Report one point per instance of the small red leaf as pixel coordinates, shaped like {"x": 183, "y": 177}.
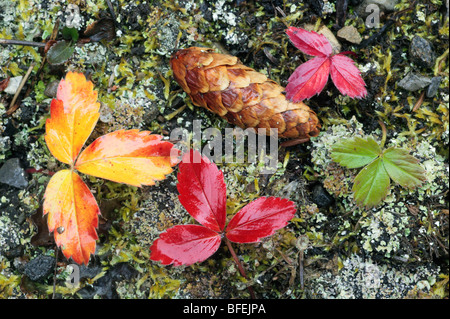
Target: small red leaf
{"x": 185, "y": 245}
{"x": 260, "y": 218}
{"x": 346, "y": 76}
{"x": 202, "y": 190}
{"x": 308, "y": 79}
{"x": 310, "y": 42}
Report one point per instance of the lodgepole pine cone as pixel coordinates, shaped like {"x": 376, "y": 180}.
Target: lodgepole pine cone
{"x": 242, "y": 96}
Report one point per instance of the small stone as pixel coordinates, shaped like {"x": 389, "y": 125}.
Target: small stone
{"x": 13, "y": 85}
{"x": 51, "y": 89}
{"x": 414, "y": 82}
{"x": 39, "y": 268}
{"x": 350, "y": 33}
{"x": 12, "y": 174}
{"x": 421, "y": 52}
{"x": 434, "y": 86}
{"x": 321, "y": 197}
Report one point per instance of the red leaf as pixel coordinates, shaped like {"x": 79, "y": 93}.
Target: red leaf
{"x": 308, "y": 79}
{"x": 185, "y": 245}
{"x": 310, "y": 42}
{"x": 260, "y": 218}
{"x": 346, "y": 76}
{"x": 202, "y": 190}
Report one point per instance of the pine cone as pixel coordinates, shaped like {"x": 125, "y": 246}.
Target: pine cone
{"x": 239, "y": 94}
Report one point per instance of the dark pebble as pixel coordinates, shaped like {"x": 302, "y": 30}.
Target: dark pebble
{"x": 434, "y": 86}
{"x": 414, "y": 82}
{"x": 12, "y": 174}
{"x": 39, "y": 268}
{"x": 421, "y": 52}
{"x": 321, "y": 197}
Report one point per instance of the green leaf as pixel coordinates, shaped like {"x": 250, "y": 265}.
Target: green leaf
{"x": 356, "y": 152}
{"x": 60, "y": 52}
{"x": 403, "y": 168}
{"x": 70, "y": 34}
{"x": 371, "y": 185}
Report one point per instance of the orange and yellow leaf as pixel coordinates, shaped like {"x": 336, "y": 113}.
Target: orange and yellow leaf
{"x": 73, "y": 115}
{"x": 130, "y": 157}
{"x": 72, "y": 215}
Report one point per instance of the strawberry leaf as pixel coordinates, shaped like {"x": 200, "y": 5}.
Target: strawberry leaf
{"x": 202, "y": 190}
{"x": 403, "y": 168}
{"x": 185, "y": 245}
{"x": 308, "y": 79}
{"x": 260, "y": 218}
{"x": 371, "y": 185}
{"x": 73, "y": 212}
{"x": 356, "y": 152}
{"x": 310, "y": 42}
{"x": 130, "y": 157}
{"x": 346, "y": 77}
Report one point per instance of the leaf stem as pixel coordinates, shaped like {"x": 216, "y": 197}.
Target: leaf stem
{"x": 241, "y": 269}
{"x": 384, "y": 131}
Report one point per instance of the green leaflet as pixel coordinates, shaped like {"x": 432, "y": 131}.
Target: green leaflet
{"x": 371, "y": 185}
{"x": 403, "y": 168}
{"x": 60, "y": 52}
{"x": 356, "y": 152}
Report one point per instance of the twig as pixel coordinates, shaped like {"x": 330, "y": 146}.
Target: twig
{"x": 384, "y": 131}
{"x": 241, "y": 269}
{"x": 20, "y": 42}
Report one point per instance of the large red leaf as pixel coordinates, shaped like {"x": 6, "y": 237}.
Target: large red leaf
{"x": 185, "y": 245}
{"x": 260, "y": 218}
{"x": 72, "y": 215}
{"x": 346, "y": 76}
{"x": 308, "y": 79}
{"x": 310, "y": 42}
{"x": 202, "y": 190}
{"x": 131, "y": 157}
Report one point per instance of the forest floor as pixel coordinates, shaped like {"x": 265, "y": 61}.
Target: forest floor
{"x": 399, "y": 249}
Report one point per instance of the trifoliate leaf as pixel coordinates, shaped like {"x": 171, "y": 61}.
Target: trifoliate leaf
{"x": 371, "y": 185}
{"x": 356, "y": 152}
{"x": 403, "y": 168}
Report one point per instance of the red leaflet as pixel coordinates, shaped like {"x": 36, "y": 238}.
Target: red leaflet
{"x": 309, "y": 42}
{"x": 346, "y": 76}
{"x": 310, "y": 77}
{"x": 203, "y": 194}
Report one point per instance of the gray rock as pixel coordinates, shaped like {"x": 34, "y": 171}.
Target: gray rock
{"x": 51, "y": 88}
{"x": 13, "y": 85}
{"x": 350, "y": 33}
{"x": 414, "y": 82}
{"x": 434, "y": 86}
{"x": 12, "y": 174}
{"x": 383, "y": 5}
{"x": 421, "y": 52}
{"x": 39, "y": 268}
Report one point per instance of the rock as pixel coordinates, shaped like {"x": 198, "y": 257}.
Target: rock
{"x": 421, "y": 52}
{"x": 321, "y": 197}
{"x": 39, "y": 268}
{"x": 13, "y": 85}
{"x": 12, "y": 174}
{"x": 434, "y": 86}
{"x": 383, "y": 5}
{"x": 414, "y": 82}
{"x": 350, "y": 33}
{"x": 51, "y": 89}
